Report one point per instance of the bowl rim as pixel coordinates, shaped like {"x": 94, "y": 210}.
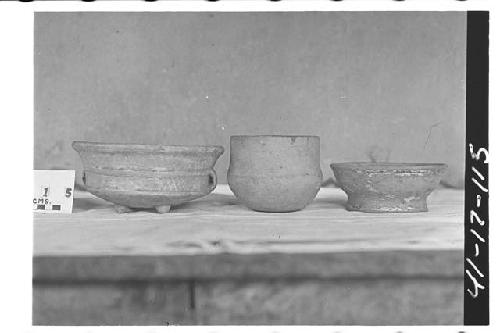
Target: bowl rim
{"x": 389, "y": 166}
{"x": 81, "y": 146}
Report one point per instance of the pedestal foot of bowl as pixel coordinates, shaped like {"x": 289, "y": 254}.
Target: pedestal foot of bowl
{"x": 414, "y": 203}
{"x": 122, "y": 209}
{"x": 163, "y": 209}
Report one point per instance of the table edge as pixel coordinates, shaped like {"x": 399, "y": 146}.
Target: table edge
{"x": 277, "y": 265}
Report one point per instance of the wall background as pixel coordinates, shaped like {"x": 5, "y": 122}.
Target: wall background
{"x": 380, "y": 85}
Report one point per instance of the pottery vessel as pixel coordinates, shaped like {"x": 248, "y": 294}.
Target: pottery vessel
{"x": 273, "y": 173}
{"x": 388, "y": 187}
{"x": 148, "y": 176}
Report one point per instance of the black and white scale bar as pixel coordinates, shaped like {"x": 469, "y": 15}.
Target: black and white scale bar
{"x": 45, "y": 207}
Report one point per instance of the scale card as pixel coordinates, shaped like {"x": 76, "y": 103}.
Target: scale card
{"x": 53, "y": 191}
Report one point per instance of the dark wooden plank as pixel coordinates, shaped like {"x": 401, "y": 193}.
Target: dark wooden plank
{"x": 270, "y": 302}
{"x": 345, "y": 302}
{"x": 131, "y": 303}
{"x": 428, "y": 263}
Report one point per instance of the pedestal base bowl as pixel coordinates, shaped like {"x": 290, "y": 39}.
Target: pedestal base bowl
{"x": 388, "y": 187}
{"x": 147, "y": 176}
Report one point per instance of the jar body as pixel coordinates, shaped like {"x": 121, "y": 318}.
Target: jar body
{"x": 275, "y": 173}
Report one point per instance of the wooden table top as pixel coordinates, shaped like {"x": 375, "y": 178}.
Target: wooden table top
{"x": 215, "y": 237}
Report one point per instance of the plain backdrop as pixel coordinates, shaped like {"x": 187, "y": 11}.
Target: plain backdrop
{"x": 384, "y": 86}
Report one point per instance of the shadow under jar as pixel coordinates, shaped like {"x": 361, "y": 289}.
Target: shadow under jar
{"x": 388, "y": 187}
{"x": 136, "y": 176}
{"x": 275, "y": 173}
